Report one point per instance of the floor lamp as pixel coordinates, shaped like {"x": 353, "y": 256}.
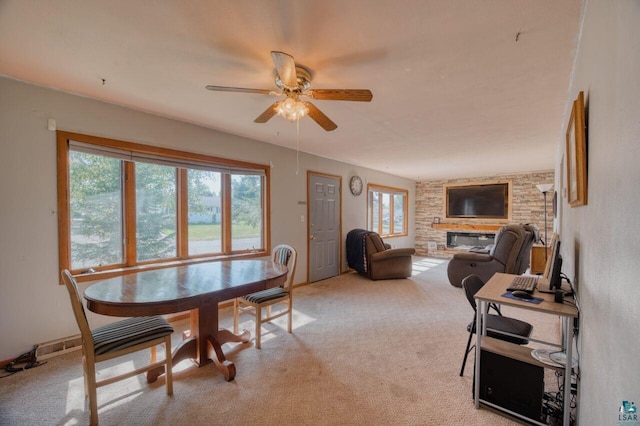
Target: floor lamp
{"x": 544, "y": 188}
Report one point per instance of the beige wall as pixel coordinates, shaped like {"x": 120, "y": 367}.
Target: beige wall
{"x": 33, "y": 307}
{"x": 527, "y": 205}
{"x": 600, "y": 241}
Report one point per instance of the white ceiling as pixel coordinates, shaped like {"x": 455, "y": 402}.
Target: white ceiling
{"x": 460, "y": 88}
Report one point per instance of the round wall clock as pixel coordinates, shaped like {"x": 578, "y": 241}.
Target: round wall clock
{"x": 356, "y": 185}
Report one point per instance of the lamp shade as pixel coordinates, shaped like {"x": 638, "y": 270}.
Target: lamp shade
{"x": 544, "y": 187}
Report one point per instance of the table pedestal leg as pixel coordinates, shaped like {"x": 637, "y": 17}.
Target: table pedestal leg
{"x": 215, "y": 354}
{"x": 209, "y": 348}
{"x": 225, "y": 336}
{"x": 187, "y": 349}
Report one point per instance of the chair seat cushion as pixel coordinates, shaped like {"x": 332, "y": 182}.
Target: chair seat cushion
{"x": 266, "y": 295}
{"x": 129, "y": 332}
{"x": 509, "y": 325}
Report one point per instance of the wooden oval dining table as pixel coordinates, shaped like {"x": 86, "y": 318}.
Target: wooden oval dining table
{"x": 198, "y": 288}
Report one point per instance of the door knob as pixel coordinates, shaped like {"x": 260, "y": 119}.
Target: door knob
{"x": 313, "y": 237}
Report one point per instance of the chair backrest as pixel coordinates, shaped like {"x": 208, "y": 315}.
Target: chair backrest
{"x": 78, "y": 310}
{"x": 508, "y": 245}
{"x": 524, "y": 257}
{"x": 374, "y": 243}
{"x": 286, "y": 255}
{"x": 471, "y": 285}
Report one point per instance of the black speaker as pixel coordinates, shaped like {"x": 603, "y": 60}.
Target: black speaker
{"x": 515, "y": 385}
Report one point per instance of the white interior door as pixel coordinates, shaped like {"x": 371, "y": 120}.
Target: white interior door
{"x": 324, "y": 227}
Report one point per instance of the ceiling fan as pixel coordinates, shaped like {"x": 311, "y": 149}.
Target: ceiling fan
{"x": 294, "y": 81}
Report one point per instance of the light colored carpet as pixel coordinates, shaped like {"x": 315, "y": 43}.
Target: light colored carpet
{"x": 361, "y": 352}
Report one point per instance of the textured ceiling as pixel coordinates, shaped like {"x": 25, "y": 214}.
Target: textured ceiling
{"x": 460, "y": 88}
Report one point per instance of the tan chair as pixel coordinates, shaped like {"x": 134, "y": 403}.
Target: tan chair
{"x": 114, "y": 340}
{"x": 252, "y": 304}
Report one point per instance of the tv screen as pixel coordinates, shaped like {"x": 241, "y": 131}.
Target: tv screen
{"x": 489, "y": 201}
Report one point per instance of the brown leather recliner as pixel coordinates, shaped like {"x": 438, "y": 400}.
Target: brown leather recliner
{"x": 379, "y": 261}
{"x": 509, "y": 254}
{"x": 385, "y": 262}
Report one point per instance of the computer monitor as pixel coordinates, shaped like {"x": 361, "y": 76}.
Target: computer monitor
{"x": 554, "y": 265}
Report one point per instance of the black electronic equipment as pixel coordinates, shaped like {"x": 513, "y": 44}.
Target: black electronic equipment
{"x": 553, "y": 268}
{"x": 555, "y": 282}
{"x": 511, "y": 384}
{"x": 478, "y": 201}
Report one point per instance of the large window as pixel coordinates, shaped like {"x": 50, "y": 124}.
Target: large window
{"x": 387, "y": 210}
{"x": 122, "y": 205}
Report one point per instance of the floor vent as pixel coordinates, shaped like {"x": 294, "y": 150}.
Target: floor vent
{"x": 58, "y": 347}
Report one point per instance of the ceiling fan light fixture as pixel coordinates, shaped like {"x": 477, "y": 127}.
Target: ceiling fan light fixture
{"x": 291, "y": 109}
{"x": 295, "y": 81}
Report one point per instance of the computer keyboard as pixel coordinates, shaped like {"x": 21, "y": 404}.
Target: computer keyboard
{"x": 523, "y": 283}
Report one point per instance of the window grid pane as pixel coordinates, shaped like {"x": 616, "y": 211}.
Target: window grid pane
{"x": 156, "y": 212}
{"x": 247, "y": 212}
{"x": 375, "y": 211}
{"x": 95, "y": 184}
{"x": 398, "y": 214}
{"x": 386, "y": 212}
{"x": 205, "y": 212}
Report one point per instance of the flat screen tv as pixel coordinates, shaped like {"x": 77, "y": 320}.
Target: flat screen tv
{"x": 490, "y": 201}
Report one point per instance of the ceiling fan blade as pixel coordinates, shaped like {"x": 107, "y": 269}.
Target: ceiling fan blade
{"x": 267, "y": 114}
{"x": 319, "y": 117}
{"x": 358, "y": 95}
{"x": 286, "y": 69}
{"x": 240, "y": 89}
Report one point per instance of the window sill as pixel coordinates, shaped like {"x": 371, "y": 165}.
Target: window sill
{"x": 392, "y": 235}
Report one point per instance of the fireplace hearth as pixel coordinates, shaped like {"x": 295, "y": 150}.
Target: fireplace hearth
{"x": 469, "y": 240}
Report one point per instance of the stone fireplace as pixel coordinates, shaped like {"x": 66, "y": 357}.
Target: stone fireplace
{"x": 432, "y": 225}
{"x": 468, "y": 240}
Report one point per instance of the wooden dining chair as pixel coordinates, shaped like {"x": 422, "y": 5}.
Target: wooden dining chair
{"x": 252, "y": 304}
{"x": 114, "y": 340}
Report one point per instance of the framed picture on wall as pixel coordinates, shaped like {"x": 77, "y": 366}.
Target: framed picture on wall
{"x": 576, "y": 155}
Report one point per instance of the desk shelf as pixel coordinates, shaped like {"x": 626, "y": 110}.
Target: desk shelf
{"x": 511, "y": 350}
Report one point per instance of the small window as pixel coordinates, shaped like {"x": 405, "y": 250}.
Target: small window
{"x": 387, "y": 210}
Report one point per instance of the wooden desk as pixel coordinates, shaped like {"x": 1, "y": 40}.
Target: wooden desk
{"x": 197, "y": 288}
{"x": 492, "y": 292}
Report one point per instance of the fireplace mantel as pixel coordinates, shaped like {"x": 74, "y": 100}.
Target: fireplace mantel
{"x": 467, "y": 226}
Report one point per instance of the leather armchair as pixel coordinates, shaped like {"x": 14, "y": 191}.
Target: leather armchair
{"x": 378, "y": 261}
{"x": 509, "y": 254}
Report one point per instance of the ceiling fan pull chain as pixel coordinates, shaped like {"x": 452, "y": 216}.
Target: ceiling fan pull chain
{"x": 297, "y": 145}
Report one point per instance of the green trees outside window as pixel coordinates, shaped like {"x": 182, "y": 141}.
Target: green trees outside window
{"x": 119, "y": 212}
